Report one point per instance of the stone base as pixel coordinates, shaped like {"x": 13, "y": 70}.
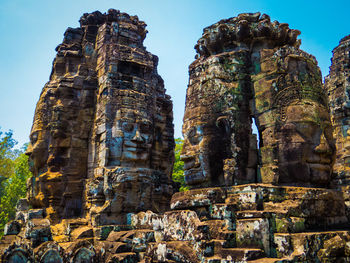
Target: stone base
{"x": 245, "y": 223}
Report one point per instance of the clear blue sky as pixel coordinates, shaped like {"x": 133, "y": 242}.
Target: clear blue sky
{"x": 31, "y": 29}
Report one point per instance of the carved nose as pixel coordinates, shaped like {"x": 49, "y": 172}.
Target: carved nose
{"x": 190, "y": 161}
{"x": 184, "y": 157}
{"x": 137, "y": 137}
{"x": 323, "y": 146}
{"x": 29, "y": 150}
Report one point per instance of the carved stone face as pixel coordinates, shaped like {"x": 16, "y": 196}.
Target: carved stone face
{"x": 306, "y": 149}
{"x": 131, "y": 143}
{"x": 203, "y": 152}
{"x": 38, "y": 146}
{"x": 37, "y": 151}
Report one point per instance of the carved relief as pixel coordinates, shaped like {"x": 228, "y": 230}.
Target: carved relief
{"x": 249, "y": 67}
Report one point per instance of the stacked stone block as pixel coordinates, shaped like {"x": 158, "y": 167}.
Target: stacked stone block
{"x": 102, "y": 142}
{"x": 338, "y": 86}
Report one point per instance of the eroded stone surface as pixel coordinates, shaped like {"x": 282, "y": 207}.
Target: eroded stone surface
{"x": 249, "y": 67}
{"x": 103, "y": 121}
{"x": 102, "y": 141}
{"x": 338, "y": 86}
{"x": 101, "y": 144}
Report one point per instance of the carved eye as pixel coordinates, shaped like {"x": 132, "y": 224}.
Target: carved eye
{"x": 308, "y": 130}
{"x": 127, "y": 126}
{"x": 193, "y": 136}
{"x": 328, "y": 132}
{"x": 33, "y": 138}
{"x": 223, "y": 124}
{"x": 145, "y": 127}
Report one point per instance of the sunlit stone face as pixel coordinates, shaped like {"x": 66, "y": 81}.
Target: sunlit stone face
{"x": 38, "y": 145}
{"x": 48, "y": 131}
{"x": 203, "y": 151}
{"x": 131, "y": 142}
{"x": 37, "y": 150}
{"x": 306, "y": 149}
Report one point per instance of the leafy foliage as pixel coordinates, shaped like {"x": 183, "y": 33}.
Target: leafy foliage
{"x": 7, "y": 155}
{"x": 14, "y": 172}
{"x": 178, "y": 170}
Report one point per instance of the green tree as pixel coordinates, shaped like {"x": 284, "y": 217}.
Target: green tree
{"x": 178, "y": 170}
{"x": 14, "y": 172}
{"x": 7, "y": 156}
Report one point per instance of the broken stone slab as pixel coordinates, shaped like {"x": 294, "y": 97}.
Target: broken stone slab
{"x": 22, "y": 204}
{"x": 197, "y": 198}
{"x": 12, "y": 228}
{"x": 304, "y": 246}
{"x": 36, "y": 214}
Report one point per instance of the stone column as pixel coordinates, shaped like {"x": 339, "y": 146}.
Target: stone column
{"x": 338, "y": 85}
{"x": 217, "y": 121}
{"x": 131, "y": 146}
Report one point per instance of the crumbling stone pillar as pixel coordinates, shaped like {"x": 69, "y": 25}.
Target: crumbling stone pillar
{"x": 102, "y": 126}
{"x": 131, "y": 147}
{"x": 59, "y": 138}
{"x": 292, "y": 116}
{"x": 338, "y": 85}
{"x": 283, "y": 87}
{"x": 217, "y": 121}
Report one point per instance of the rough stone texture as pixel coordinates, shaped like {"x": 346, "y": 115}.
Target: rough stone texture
{"x": 102, "y": 142}
{"x": 131, "y": 147}
{"x": 338, "y": 86}
{"x": 249, "y": 67}
{"x": 103, "y": 119}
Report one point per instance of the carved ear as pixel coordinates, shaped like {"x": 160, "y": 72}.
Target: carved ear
{"x": 223, "y": 124}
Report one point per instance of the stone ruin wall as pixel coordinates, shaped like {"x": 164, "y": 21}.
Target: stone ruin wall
{"x": 102, "y": 151}
{"x": 337, "y": 84}
{"x": 250, "y": 67}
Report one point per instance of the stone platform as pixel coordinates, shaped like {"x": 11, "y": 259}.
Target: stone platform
{"x": 102, "y": 143}
{"x": 224, "y": 224}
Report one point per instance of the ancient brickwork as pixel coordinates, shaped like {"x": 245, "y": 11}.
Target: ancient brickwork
{"x": 101, "y": 144}
{"x": 217, "y": 121}
{"x": 131, "y": 147}
{"x": 102, "y": 152}
{"x": 338, "y": 86}
{"x": 248, "y": 222}
{"x": 250, "y": 67}
{"x": 60, "y": 133}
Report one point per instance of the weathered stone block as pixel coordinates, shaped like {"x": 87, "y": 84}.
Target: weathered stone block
{"x": 12, "y": 228}
{"x": 253, "y": 233}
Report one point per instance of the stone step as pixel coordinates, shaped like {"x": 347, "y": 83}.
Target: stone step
{"x": 254, "y": 233}
{"x": 257, "y": 214}
{"x": 222, "y": 211}
{"x": 296, "y": 201}
{"x": 172, "y": 251}
{"x": 244, "y": 201}
{"x": 324, "y": 244}
{"x": 197, "y": 198}
{"x": 123, "y": 257}
{"x": 216, "y": 229}
{"x": 269, "y": 260}
{"x": 288, "y": 223}
{"x": 235, "y": 254}
{"x": 211, "y": 247}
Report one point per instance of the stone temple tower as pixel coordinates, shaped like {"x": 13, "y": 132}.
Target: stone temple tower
{"x": 102, "y": 151}
{"x": 338, "y": 86}
{"x": 102, "y": 140}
